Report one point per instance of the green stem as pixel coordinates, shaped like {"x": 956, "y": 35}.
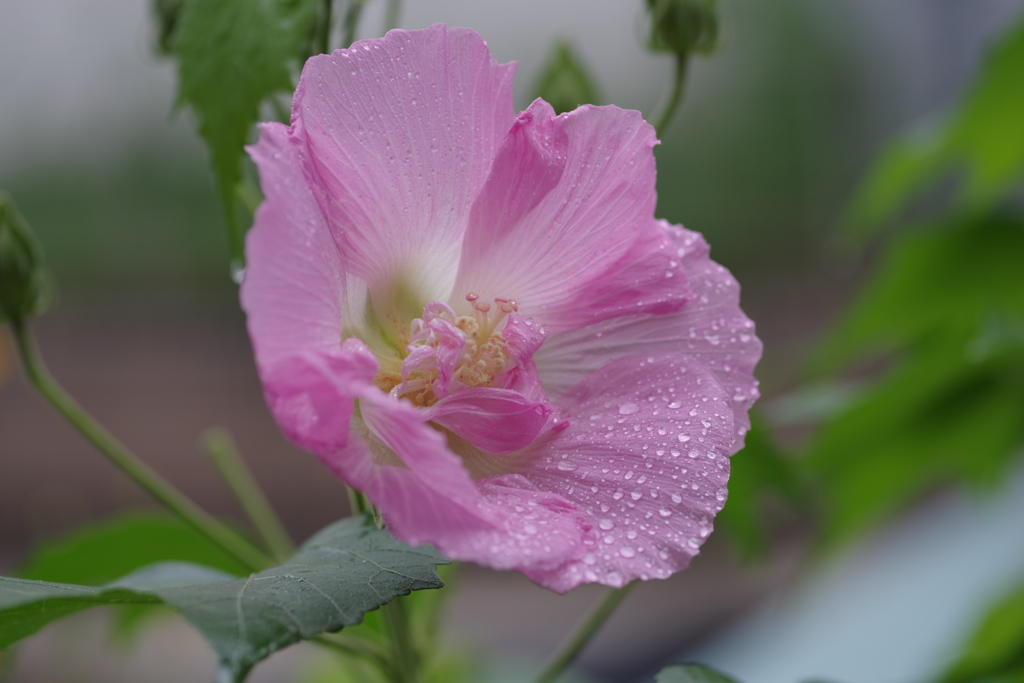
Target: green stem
{"x": 129, "y": 463}
{"x": 584, "y": 631}
{"x": 221, "y": 449}
{"x": 357, "y": 502}
{"x": 323, "y": 36}
{"x": 350, "y": 645}
{"x": 391, "y": 16}
{"x": 351, "y": 21}
{"x": 675, "y": 97}
{"x": 404, "y": 660}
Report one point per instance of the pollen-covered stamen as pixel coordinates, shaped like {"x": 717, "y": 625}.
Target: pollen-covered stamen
{"x": 447, "y": 351}
{"x": 482, "y": 313}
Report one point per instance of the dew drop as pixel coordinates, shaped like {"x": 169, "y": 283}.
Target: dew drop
{"x": 629, "y": 409}
{"x": 567, "y": 466}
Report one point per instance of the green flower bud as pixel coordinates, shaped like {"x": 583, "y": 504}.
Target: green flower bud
{"x": 565, "y": 83}
{"x": 24, "y": 284}
{"x": 683, "y": 26}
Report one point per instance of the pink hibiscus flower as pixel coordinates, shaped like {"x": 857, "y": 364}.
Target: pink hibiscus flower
{"x": 474, "y": 318}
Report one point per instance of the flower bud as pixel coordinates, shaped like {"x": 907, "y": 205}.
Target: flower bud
{"x": 24, "y": 285}
{"x": 565, "y": 83}
{"x": 683, "y": 26}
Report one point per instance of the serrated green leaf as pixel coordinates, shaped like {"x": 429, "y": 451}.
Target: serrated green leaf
{"x": 995, "y": 652}
{"x": 983, "y": 137}
{"x": 691, "y": 673}
{"x": 100, "y": 553}
{"x": 232, "y": 55}
{"x": 346, "y": 570}
{"x": 565, "y": 83}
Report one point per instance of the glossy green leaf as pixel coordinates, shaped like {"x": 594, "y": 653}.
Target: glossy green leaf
{"x": 565, "y": 83}
{"x": 347, "y": 569}
{"x": 100, "y": 553}
{"x": 995, "y": 652}
{"x": 983, "y": 138}
{"x": 232, "y": 55}
{"x": 691, "y": 673}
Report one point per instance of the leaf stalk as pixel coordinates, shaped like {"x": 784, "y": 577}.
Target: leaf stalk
{"x": 224, "y": 454}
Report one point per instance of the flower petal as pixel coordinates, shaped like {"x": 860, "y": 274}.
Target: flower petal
{"x": 493, "y": 420}
{"x": 645, "y": 457}
{"x": 401, "y": 134}
{"x": 710, "y": 328}
{"x": 293, "y": 288}
{"x": 426, "y": 496}
{"x": 585, "y": 248}
{"x": 311, "y": 394}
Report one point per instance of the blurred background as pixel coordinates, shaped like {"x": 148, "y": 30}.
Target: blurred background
{"x": 878, "y": 512}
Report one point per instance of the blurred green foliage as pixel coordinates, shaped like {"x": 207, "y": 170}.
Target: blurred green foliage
{"x": 691, "y": 673}
{"x": 565, "y": 83}
{"x": 100, "y": 553}
{"x": 147, "y": 217}
{"x": 947, "y": 309}
{"x": 995, "y": 652}
{"x": 762, "y": 153}
{"x": 760, "y": 473}
{"x": 982, "y": 138}
{"x": 942, "y": 317}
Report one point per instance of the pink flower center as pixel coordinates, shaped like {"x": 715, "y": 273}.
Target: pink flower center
{"x": 447, "y": 351}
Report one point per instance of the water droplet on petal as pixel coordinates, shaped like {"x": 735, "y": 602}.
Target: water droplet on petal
{"x": 567, "y": 466}
{"x": 629, "y": 409}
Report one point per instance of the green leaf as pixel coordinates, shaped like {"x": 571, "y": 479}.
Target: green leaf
{"x": 691, "y": 673}
{"x": 565, "y": 83}
{"x": 983, "y": 137}
{"x": 996, "y": 650}
{"x": 346, "y": 570}
{"x": 232, "y": 55}
{"x": 100, "y": 553}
